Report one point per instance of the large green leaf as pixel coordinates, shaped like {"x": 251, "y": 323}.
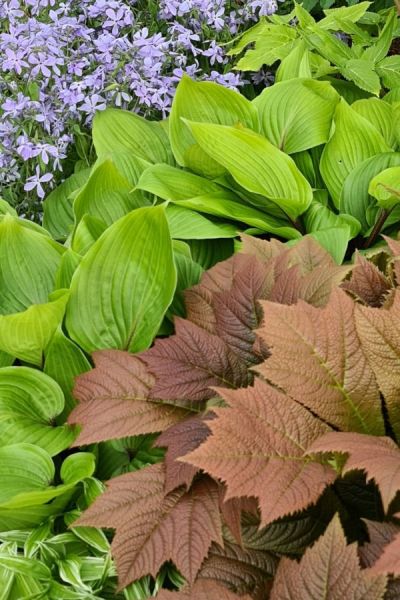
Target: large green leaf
{"x": 23, "y": 468}
{"x": 68, "y": 265}
{"x": 207, "y": 253}
{"x": 124, "y": 284}
{"x": 319, "y": 217}
{"x": 77, "y": 467}
{"x": 30, "y": 401}
{"x": 335, "y": 240}
{"x": 207, "y": 102}
{"x": 380, "y": 114}
{"x": 58, "y": 216}
{"x": 64, "y": 361}
{"x": 256, "y": 164}
{"x": 188, "y": 274}
{"x": 120, "y": 130}
{"x": 128, "y": 164}
{"x": 354, "y": 140}
{"x": 171, "y": 183}
{"x": 385, "y": 187}
{"x": 296, "y": 115}
{"x": 26, "y": 334}
{"x": 88, "y": 230}
{"x": 106, "y": 195}
{"x": 296, "y": 64}
{"x": 29, "y": 261}
{"x": 355, "y": 199}
{"x": 186, "y": 224}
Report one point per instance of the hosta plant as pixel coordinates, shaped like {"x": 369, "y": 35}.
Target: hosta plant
{"x": 276, "y": 402}
{"x": 349, "y": 41}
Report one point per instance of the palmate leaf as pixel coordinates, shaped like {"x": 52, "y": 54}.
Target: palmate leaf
{"x": 318, "y": 359}
{"x": 186, "y": 523}
{"x": 201, "y": 590}
{"x": 330, "y": 569}
{"x": 256, "y": 447}
{"x": 367, "y": 282}
{"x": 114, "y": 400}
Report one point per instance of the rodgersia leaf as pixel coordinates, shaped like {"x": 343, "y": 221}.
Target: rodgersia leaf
{"x": 330, "y": 569}
{"x": 201, "y": 590}
{"x": 256, "y": 448}
{"x": 152, "y": 528}
{"x": 317, "y": 358}
{"x": 367, "y": 282}
{"x": 389, "y": 561}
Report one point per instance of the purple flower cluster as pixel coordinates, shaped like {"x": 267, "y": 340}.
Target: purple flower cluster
{"x": 61, "y": 61}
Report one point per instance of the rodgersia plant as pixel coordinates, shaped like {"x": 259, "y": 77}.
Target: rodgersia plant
{"x": 62, "y": 62}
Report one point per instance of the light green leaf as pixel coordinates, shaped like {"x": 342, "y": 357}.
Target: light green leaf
{"x": 295, "y": 64}
{"x": 348, "y": 90}
{"x": 77, "y": 466}
{"x": 270, "y": 43}
{"x": 389, "y": 70}
{"x": 319, "y": 217}
{"x": 68, "y": 265}
{"x": 363, "y": 74}
{"x": 23, "y": 468}
{"x": 380, "y": 114}
{"x": 335, "y": 241}
{"x": 26, "y": 334}
{"x": 355, "y": 198}
{"x": 217, "y": 204}
{"x": 207, "y": 253}
{"x": 350, "y": 13}
{"x": 64, "y": 361}
{"x": 29, "y": 403}
{"x": 6, "y": 360}
{"x": 385, "y": 187}
{"x": 128, "y": 164}
{"x": 256, "y": 164}
{"x": 124, "y": 284}
{"x": 7, "y": 209}
{"x": 106, "y": 195}
{"x": 328, "y": 46}
{"x": 393, "y": 97}
{"x": 88, "y": 230}
{"x": 26, "y": 566}
{"x": 296, "y": 115}
{"x": 58, "y": 216}
{"x": 379, "y": 49}
{"x": 119, "y": 130}
{"x": 208, "y": 102}
{"x": 188, "y": 274}
{"x": 186, "y": 224}
{"x": 93, "y": 537}
{"x": 29, "y": 261}
{"x": 171, "y": 183}
{"x": 354, "y": 140}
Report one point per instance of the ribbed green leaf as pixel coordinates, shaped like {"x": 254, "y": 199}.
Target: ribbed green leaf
{"x": 385, "y": 187}
{"x": 106, "y": 195}
{"x": 296, "y": 64}
{"x": 68, "y": 265}
{"x": 209, "y": 252}
{"x": 29, "y": 260}
{"x": 29, "y": 403}
{"x": 26, "y": 566}
{"x": 355, "y": 199}
{"x": 124, "y": 284}
{"x": 23, "y": 468}
{"x": 26, "y": 334}
{"x": 186, "y": 224}
{"x": 6, "y": 360}
{"x": 171, "y": 183}
{"x": 209, "y": 103}
{"x": 296, "y": 115}
{"x": 77, "y": 466}
{"x": 58, "y": 217}
{"x": 256, "y": 164}
{"x": 354, "y": 140}
{"x": 319, "y": 217}
{"x": 64, "y": 361}
{"x": 380, "y": 114}
{"x": 335, "y": 240}
{"x": 128, "y": 164}
{"x": 88, "y": 230}
{"x": 120, "y": 130}
{"x": 189, "y": 273}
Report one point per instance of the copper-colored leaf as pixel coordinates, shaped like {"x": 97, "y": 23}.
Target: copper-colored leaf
{"x": 179, "y": 440}
{"x": 188, "y": 363}
{"x": 256, "y": 448}
{"x": 379, "y": 332}
{"x": 262, "y": 249}
{"x": 241, "y": 570}
{"x": 389, "y": 560}
{"x": 316, "y": 357}
{"x": 114, "y": 400}
{"x": 379, "y": 457}
{"x": 232, "y": 511}
{"x": 152, "y": 528}
{"x": 328, "y": 570}
{"x": 367, "y": 282}
{"x": 394, "y": 247}
{"x": 380, "y": 534}
{"x": 201, "y": 590}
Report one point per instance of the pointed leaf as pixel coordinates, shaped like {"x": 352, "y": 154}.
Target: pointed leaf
{"x": 389, "y": 561}
{"x": 135, "y": 253}
{"x": 201, "y": 590}
{"x": 367, "y": 283}
{"x": 385, "y": 187}
{"x": 380, "y": 114}
{"x": 363, "y": 74}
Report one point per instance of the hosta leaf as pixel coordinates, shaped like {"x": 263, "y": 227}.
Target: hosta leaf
{"x": 354, "y": 140}
{"x": 88, "y": 230}
{"x": 106, "y": 195}
{"x": 378, "y": 457}
{"x": 319, "y": 217}
{"x": 171, "y": 183}
{"x": 330, "y": 569}
{"x": 26, "y": 334}
{"x": 188, "y": 274}
{"x": 380, "y": 114}
{"x": 355, "y": 199}
{"x": 296, "y": 115}
{"x": 385, "y": 187}
{"x": 270, "y": 466}
{"x": 186, "y": 224}
{"x": 201, "y": 590}
{"x": 68, "y": 265}
{"x": 363, "y": 74}
{"x": 134, "y": 255}
{"x": 128, "y": 164}
{"x": 77, "y": 466}
{"x": 379, "y": 336}
{"x": 296, "y": 64}
{"x": 317, "y": 358}
{"x": 29, "y": 261}
{"x": 335, "y": 240}
{"x": 205, "y": 102}
{"x": 256, "y": 164}
{"x": 114, "y": 400}
{"x": 58, "y": 216}
{"x": 29, "y": 403}
{"x": 120, "y": 130}
{"x": 152, "y": 528}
